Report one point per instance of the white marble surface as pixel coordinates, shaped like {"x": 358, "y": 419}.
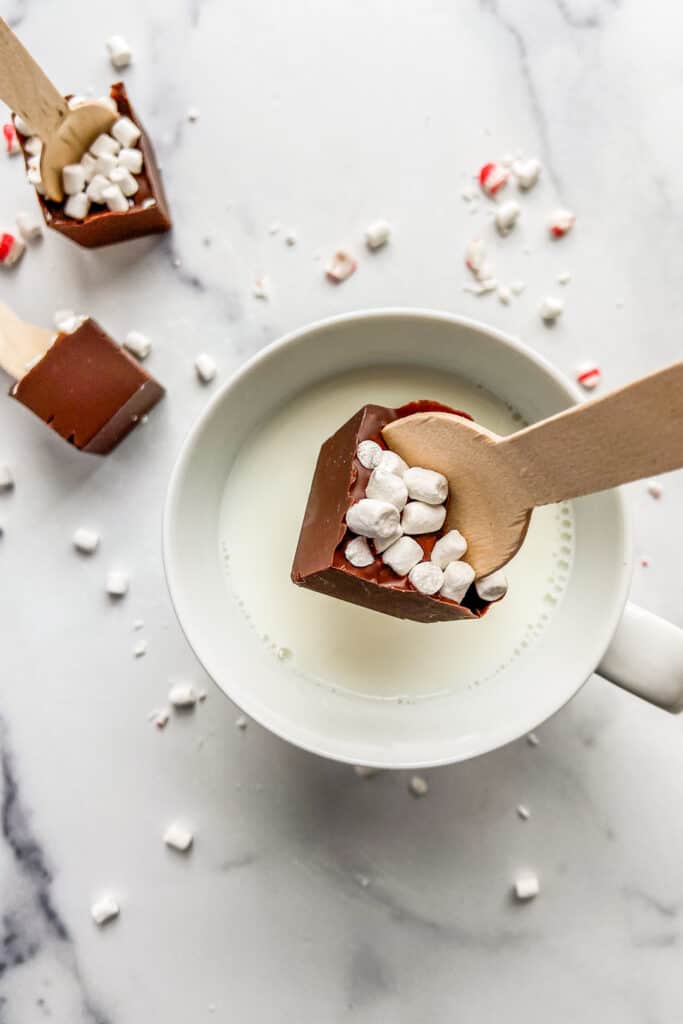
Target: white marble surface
{"x": 310, "y": 894}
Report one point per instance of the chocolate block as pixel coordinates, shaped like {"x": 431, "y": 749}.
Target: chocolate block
{"x": 338, "y": 482}
{"x": 88, "y": 389}
{"x": 104, "y": 227}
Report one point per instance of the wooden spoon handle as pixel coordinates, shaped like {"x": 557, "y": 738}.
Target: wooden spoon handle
{"x": 25, "y": 87}
{"x": 629, "y": 434}
{"x": 20, "y": 343}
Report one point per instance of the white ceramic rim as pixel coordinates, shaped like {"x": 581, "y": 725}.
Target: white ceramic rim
{"x": 598, "y": 643}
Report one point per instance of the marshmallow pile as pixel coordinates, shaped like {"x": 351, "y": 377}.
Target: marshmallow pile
{"x": 400, "y": 503}
{"x": 106, "y": 173}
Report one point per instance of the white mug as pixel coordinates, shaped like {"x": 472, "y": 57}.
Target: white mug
{"x": 593, "y": 629}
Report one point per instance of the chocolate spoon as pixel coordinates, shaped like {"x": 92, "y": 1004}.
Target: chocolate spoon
{"x": 66, "y": 133}
{"x": 496, "y": 482}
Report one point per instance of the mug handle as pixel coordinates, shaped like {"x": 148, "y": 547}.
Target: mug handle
{"x": 645, "y": 657}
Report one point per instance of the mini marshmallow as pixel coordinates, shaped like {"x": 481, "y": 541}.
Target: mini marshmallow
{"x": 523, "y": 812}
{"x": 507, "y": 216}
{"x": 104, "y": 164}
{"x": 131, "y": 159}
{"x": 34, "y": 177}
{"x": 368, "y": 454}
{"x": 110, "y": 102}
{"x": 11, "y": 141}
{"x": 386, "y": 486}
{"x": 11, "y": 249}
{"x": 492, "y": 587}
{"x": 517, "y": 287}
{"x": 357, "y": 552}
{"x": 526, "y": 886}
{"x": 77, "y": 206}
{"x": 426, "y": 485}
{"x": 178, "y": 837}
{"x": 449, "y": 548}
{"x": 403, "y": 555}
{"x": 206, "y": 368}
{"x": 426, "y": 577}
{"x": 392, "y": 463}
{"x": 125, "y": 131}
{"x": 550, "y": 309}
{"x": 457, "y": 578}
{"x": 381, "y": 544}
{"x": 117, "y": 583}
{"x": 365, "y": 771}
{"x": 561, "y": 221}
{"x": 564, "y": 277}
{"x": 85, "y": 540}
{"x": 654, "y": 488}
{"x": 105, "y": 144}
{"x": 115, "y": 199}
{"x": 120, "y": 53}
{"x": 341, "y": 266}
{"x": 125, "y": 180}
{"x": 6, "y": 478}
{"x": 193, "y": 114}
{"x": 533, "y": 740}
{"x": 30, "y": 226}
{"x": 377, "y": 234}
{"x": 418, "y": 517}
{"x": 493, "y": 177}
{"x": 527, "y": 172}
{"x": 33, "y": 146}
{"x": 73, "y": 179}
{"x": 418, "y": 786}
{"x": 372, "y": 518}
{"x": 291, "y": 238}
{"x": 21, "y": 125}
{"x": 104, "y": 909}
{"x": 140, "y": 649}
{"x": 76, "y": 101}
{"x": 137, "y": 343}
{"x": 66, "y": 321}
{"x": 588, "y": 375}
{"x": 241, "y": 723}
{"x": 96, "y": 188}
{"x": 504, "y": 294}
{"x": 183, "y": 695}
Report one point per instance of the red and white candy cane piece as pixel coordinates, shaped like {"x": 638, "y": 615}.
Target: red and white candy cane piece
{"x": 475, "y": 255}
{"x": 11, "y": 248}
{"x": 561, "y": 221}
{"x": 341, "y": 266}
{"x": 588, "y": 375}
{"x": 493, "y": 177}
{"x": 11, "y": 141}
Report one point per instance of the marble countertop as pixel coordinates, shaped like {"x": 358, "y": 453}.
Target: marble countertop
{"x": 311, "y": 894}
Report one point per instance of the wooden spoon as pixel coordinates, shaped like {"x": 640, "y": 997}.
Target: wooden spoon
{"x": 495, "y": 482}
{"x": 66, "y": 133}
{"x": 21, "y": 344}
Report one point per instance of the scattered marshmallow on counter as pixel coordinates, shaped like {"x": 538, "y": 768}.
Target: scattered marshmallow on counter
{"x": 418, "y": 517}
{"x": 120, "y": 53}
{"x": 12, "y": 146}
{"x": 357, "y": 552}
{"x": 507, "y": 216}
{"x": 392, "y": 463}
{"x": 492, "y": 587}
{"x": 6, "y": 478}
{"x": 564, "y": 277}
{"x": 386, "y": 486}
{"x": 178, "y": 837}
{"x": 377, "y": 234}
{"x": 261, "y": 288}
{"x": 206, "y": 368}
{"x": 533, "y": 740}
{"x": 403, "y": 555}
{"x": 140, "y": 649}
{"x": 504, "y": 294}
{"x": 11, "y": 249}
{"x": 137, "y": 343}
{"x": 369, "y": 454}
{"x": 588, "y": 375}
{"x": 193, "y": 114}
{"x": 364, "y": 771}
{"x": 426, "y": 485}
{"x": 654, "y": 488}
{"x": 449, "y": 548}
{"x": 372, "y": 518}
{"x": 183, "y": 695}
{"x": 523, "y": 812}
{"x": 550, "y": 309}
{"x": 426, "y": 577}
{"x": 493, "y": 177}
{"x": 86, "y": 541}
{"x": 104, "y": 909}
{"x": 561, "y": 221}
{"x": 117, "y": 583}
{"x": 457, "y": 578}
{"x": 527, "y": 172}
{"x": 30, "y": 226}
{"x": 526, "y": 886}
{"x": 418, "y": 786}
{"x": 341, "y": 266}
{"x": 241, "y": 723}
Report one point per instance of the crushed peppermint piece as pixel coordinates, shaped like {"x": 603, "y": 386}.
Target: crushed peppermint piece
{"x": 364, "y": 771}
{"x": 206, "y": 367}
{"x": 193, "y": 114}
{"x": 241, "y": 723}
{"x": 550, "y": 309}
{"x": 588, "y": 375}
{"x": 418, "y": 786}
{"x": 564, "y": 277}
{"x": 291, "y": 238}
{"x": 654, "y": 488}
{"x": 377, "y": 234}
{"x": 11, "y": 248}
{"x": 526, "y": 886}
{"x": 523, "y": 812}
{"x": 527, "y": 172}
{"x": 30, "y": 226}
{"x": 117, "y": 583}
{"x": 561, "y": 221}
{"x": 645, "y": 562}
{"x": 140, "y": 649}
{"x": 178, "y": 837}
{"x": 341, "y": 266}
{"x": 493, "y": 177}
{"x": 261, "y": 288}
{"x": 475, "y": 256}
{"x": 504, "y": 294}
{"x": 12, "y": 146}
{"x": 104, "y": 909}
{"x": 160, "y": 718}
{"x": 183, "y": 695}
{"x": 507, "y": 216}
{"x": 6, "y": 478}
{"x": 469, "y": 193}
{"x": 86, "y": 541}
